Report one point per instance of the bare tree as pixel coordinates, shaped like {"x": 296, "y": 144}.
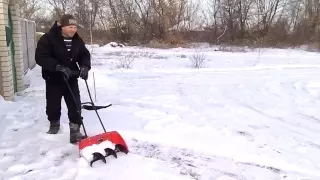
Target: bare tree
{"x": 28, "y": 8}
{"x": 61, "y": 6}
{"x": 243, "y": 7}
{"x": 290, "y": 22}
{"x": 267, "y": 11}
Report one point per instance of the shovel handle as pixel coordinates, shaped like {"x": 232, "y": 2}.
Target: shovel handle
{"x": 76, "y": 105}
{"x": 75, "y": 73}
{"x": 94, "y": 107}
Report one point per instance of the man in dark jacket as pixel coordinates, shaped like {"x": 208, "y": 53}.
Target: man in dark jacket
{"x": 60, "y": 52}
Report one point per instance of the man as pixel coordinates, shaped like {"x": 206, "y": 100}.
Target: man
{"x": 60, "y": 52}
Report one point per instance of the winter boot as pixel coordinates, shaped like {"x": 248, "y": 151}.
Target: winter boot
{"x": 75, "y": 134}
{"x": 54, "y": 127}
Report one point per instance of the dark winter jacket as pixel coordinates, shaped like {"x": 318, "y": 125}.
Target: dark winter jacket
{"x": 52, "y": 51}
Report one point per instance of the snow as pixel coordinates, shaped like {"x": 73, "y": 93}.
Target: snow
{"x": 245, "y": 115}
{"x": 87, "y": 152}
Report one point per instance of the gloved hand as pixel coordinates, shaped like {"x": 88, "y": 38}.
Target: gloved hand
{"x": 84, "y": 72}
{"x": 65, "y": 70}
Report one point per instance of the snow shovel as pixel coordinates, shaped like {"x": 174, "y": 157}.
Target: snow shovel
{"x": 99, "y": 146}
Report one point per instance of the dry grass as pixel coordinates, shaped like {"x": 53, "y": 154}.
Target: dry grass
{"x": 198, "y": 59}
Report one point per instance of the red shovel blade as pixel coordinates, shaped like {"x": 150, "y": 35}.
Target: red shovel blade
{"x": 112, "y": 136}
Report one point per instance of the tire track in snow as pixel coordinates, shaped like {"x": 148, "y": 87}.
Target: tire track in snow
{"x": 203, "y": 166}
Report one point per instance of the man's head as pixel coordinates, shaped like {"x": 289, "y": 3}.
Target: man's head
{"x": 68, "y": 25}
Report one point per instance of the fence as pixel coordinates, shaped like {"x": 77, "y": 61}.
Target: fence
{"x": 29, "y": 42}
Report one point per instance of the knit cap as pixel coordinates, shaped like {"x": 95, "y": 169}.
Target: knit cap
{"x": 67, "y": 20}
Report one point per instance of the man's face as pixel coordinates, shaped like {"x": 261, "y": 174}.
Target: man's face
{"x": 69, "y": 31}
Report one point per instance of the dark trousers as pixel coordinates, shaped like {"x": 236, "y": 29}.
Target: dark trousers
{"x": 55, "y": 92}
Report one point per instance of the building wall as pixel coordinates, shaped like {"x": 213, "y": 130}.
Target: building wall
{"x": 18, "y": 57}
{"x": 7, "y": 68}
{"x": 6, "y": 85}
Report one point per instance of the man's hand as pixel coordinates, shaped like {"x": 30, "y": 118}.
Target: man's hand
{"x": 84, "y": 72}
{"x": 66, "y": 71}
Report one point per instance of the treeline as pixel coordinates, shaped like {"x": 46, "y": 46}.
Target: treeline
{"x": 241, "y": 22}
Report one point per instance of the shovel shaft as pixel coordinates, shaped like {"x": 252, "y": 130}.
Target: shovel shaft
{"x": 76, "y": 104}
{"x": 76, "y": 73}
{"x": 94, "y": 107}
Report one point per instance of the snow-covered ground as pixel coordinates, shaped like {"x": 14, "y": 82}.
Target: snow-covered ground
{"x": 244, "y": 116}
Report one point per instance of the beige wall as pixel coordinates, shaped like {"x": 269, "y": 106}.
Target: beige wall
{"x": 18, "y": 57}
{"x": 3, "y": 51}
{"x": 6, "y": 83}
{"x": 6, "y": 68}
